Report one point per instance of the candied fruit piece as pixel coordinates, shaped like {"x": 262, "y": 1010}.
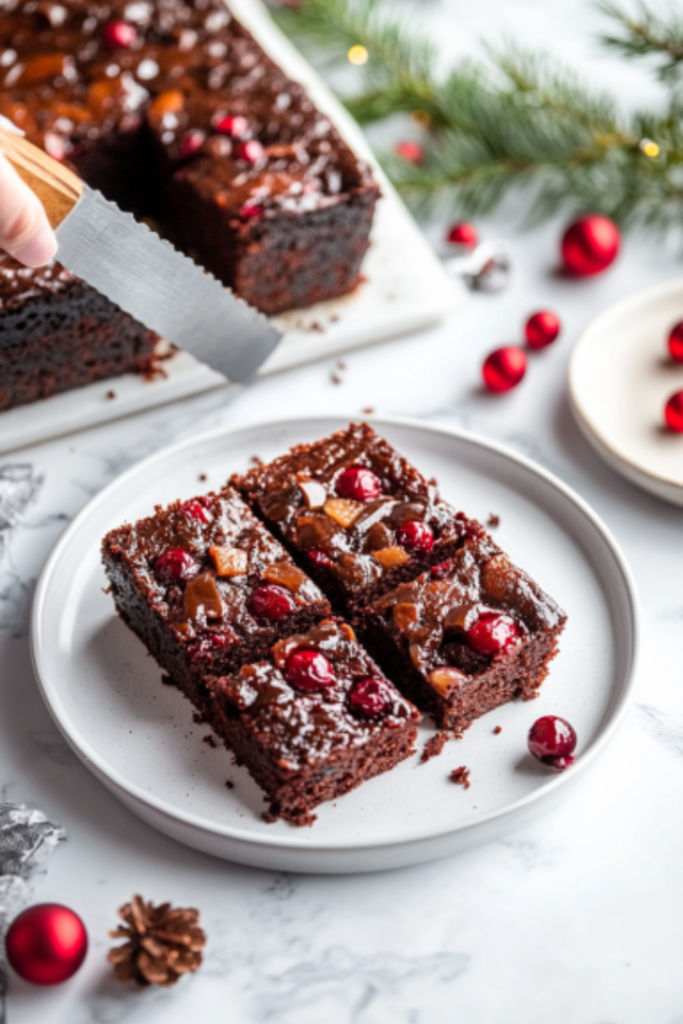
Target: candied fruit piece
{"x": 229, "y": 561}
{"x": 405, "y": 616}
{"x": 343, "y": 511}
{"x": 389, "y": 558}
{"x": 285, "y": 574}
{"x": 202, "y": 597}
{"x": 314, "y": 493}
{"x": 445, "y": 678}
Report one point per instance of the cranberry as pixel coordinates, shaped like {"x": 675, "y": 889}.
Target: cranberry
{"x": 320, "y": 558}
{"x": 206, "y": 647}
{"x": 309, "y": 670}
{"x": 371, "y": 697}
{"x": 175, "y": 565}
{"x": 250, "y": 211}
{"x": 190, "y": 143}
{"x": 196, "y": 510}
{"x": 553, "y": 741}
{"x": 359, "y": 484}
{"x": 441, "y": 570}
{"x": 119, "y": 35}
{"x": 251, "y": 151}
{"x": 673, "y": 413}
{"x": 675, "y": 342}
{"x": 272, "y": 603}
{"x": 233, "y": 125}
{"x": 464, "y": 234}
{"x": 493, "y": 633}
{"x": 417, "y": 537}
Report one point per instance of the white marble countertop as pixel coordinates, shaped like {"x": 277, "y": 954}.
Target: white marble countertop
{"x": 572, "y": 919}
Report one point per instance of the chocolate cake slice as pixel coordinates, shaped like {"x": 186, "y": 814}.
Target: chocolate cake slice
{"x": 57, "y": 333}
{"x": 466, "y": 636}
{"x": 313, "y": 720}
{"x": 356, "y": 514}
{"x": 206, "y": 588}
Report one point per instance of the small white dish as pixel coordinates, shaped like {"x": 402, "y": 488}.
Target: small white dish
{"x": 137, "y": 735}
{"x": 620, "y": 376}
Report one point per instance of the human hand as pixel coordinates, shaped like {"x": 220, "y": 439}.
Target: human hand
{"x": 25, "y": 231}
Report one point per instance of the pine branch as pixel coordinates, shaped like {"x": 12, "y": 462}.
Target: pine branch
{"x": 647, "y": 34}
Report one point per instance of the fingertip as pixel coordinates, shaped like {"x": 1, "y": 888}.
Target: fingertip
{"x": 37, "y": 250}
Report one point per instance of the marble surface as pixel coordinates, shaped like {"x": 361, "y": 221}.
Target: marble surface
{"x": 574, "y": 918}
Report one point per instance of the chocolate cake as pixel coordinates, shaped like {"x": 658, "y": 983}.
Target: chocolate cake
{"x": 206, "y": 588}
{"x": 174, "y": 112}
{"x": 314, "y": 720}
{"x": 57, "y": 333}
{"x": 465, "y": 636}
{"x": 356, "y": 514}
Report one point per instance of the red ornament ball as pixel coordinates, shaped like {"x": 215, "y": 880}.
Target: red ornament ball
{"x": 504, "y": 368}
{"x": 46, "y": 944}
{"x": 675, "y": 342}
{"x": 463, "y": 234}
{"x": 590, "y": 245}
{"x": 552, "y": 740}
{"x": 673, "y": 413}
{"x": 541, "y": 329}
{"x": 411, "y": 151}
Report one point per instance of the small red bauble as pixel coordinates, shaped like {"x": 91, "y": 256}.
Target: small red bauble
{"x": 673, "y": 413}
{"x": 590, "y": 245}
{"x": 175, "y": 565}
{"x": 251, "y": 151}
{"x": 359, "y": 484}
{"x": 417, "y": 537}
{"x": 675, "y": 342}
{"x": 233, "y": 125}
{"x": 553, "y": 741}
{"x": 272, "y": 603}
{"x": 190, "y": 143}
{"x": 371, "y": 697}
{"x": 46, "y": 944}
{"x": 309, "y": 671}
{"x": 492, "y": 633}
{"x": 119, "y": 35}
{"x": 504, "y": 368}
{"x": 196, "y": 510}
{"x": 411, "y": 151}
{"x": 463, "y": 234}
{"x": 541, "y": 329}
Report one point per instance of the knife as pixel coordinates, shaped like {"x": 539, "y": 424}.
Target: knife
{"x": 141, "y": 272}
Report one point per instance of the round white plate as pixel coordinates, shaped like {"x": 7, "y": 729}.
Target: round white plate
{"x": 138, "y": 737}
{"x": 620, "y": 377}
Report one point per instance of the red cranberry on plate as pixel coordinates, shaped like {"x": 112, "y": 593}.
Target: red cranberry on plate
{"x": 320, "y": 558}
{"x": 175, "y": 566}
{"x": 552, "y": 740}
{"x": 417, "y": 537}
{"x": 233, "y": 125}
{"x": 492, "y": 633}
{"x": 190, "y": 143}
{"x": 359, "y": 484}
{"x": 119, "y": 35}
{"x": 196, "y": 510}
{"x": 309, "y": 671}
{"x": 251, "y": 151}
{"x": 371, "y": 697}
{"x": 272, "y": 603}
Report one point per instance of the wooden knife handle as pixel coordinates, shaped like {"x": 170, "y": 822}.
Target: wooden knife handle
{"x": 58, "y": 188}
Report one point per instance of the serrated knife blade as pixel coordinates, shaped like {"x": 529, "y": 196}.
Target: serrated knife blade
{"x": 141, "y": 272}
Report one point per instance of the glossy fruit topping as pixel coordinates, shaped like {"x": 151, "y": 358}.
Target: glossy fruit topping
{"x": 309, "y": 671}
{"x": 552, "y": 740}
{"x": 359, "y": 484}
{"x": 175, "y": 566}
{"x": 417, "y": 537}
{"x": 119, "y": 35}
{"x": 210, "y": 645}
{"x": 272, "y": 603}
{"x": 196, "y": 510}
{"x": 441, "y": 570}
{"x": 233, "y": 125}
{"x": 370, "y": 697}
{"x": 493, "y": 633}
{"x": 251, "y": 151}
{"x": 190, "y": 143}
{"x": 320, "y": 558}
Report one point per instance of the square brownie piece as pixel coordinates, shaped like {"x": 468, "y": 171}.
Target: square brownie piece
{"x": 206, "y": 588}
{"x": 356, "y": 514}
{"x": 466, "y": 636}
{"x": 313, "y": 720}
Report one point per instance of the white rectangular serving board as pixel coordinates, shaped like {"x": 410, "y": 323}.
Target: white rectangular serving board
{"x": 406, "y": 289}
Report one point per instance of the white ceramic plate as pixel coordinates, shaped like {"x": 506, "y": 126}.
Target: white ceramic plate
{"x": 620, "y": 377}
{"x": 137, "y": 735}
{"x": 406, "y": 289}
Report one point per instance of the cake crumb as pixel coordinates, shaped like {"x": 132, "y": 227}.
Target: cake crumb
{"x": 497, "y": 731}
{"x": 434, "y": 746}
{"x": 203, "y": 477}
{"x": 256, "y": 460}
{"x": 315, "y": 326}
{"x": 493, "y": 519}
{"x": 197, "y": 718}
{"x": 341, "y": 365}
{"x": 110, "y": 394}
{"x": 334, "y": 318}
{"x": 229, "y": 784}
{"x": 210, "y": 740}
{"x": 336, "y": 379}
{"x": 461, "y": 776}
{"x": 369, "y": 410}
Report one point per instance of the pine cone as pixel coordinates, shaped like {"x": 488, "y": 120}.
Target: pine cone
{"x": 162, "y": 943}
